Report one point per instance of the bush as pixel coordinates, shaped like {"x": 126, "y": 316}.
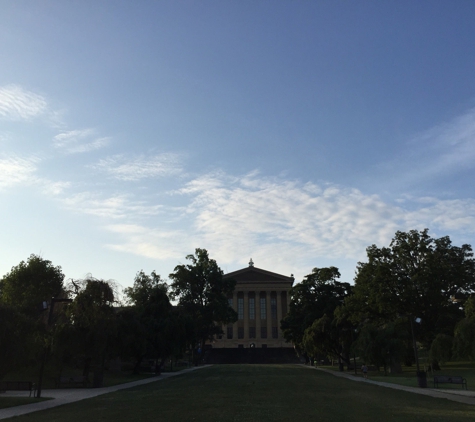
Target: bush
{"x": 441, "y": 348}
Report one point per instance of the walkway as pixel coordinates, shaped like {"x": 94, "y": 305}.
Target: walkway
{"x": 461, "y": 396}
{"x": 69, "y": 395}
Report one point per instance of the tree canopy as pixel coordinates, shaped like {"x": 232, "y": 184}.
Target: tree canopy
{"x": 319, "y": 294}
{"x": 154, "y": 312}
{"x": 203, "y": 293}
{"x": 30, "y": 283}
{"x": 416, "y": 276}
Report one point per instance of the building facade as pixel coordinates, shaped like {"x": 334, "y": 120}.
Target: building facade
{"x": 261, "y": 300}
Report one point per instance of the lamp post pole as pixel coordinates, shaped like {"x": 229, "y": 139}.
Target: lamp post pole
{"x": 416, "y": 357}
{"x": 421, "y": 375}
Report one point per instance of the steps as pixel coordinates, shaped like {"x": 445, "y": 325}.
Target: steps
{"x": 250, "y": 356}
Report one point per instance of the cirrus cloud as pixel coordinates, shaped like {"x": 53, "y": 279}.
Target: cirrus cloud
{"x": 140, "y": 167}
{"x": 16, "y": 103}
{"x": 17, "y": 170}
{"x": 79, "y": 141}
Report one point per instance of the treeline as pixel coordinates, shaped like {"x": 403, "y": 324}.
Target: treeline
{"x": 415, "y": 294}
{"x": 82, "y": 322}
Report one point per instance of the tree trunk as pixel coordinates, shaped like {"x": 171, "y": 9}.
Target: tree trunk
{"x": 138, "y": 362}
{"x": 87, "y": 367}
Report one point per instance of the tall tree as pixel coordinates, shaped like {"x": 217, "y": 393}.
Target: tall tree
{"x": 16, "y": 339}
{"x": 30, "y": 283}
{"x": 91, "y": 323}
{"x": 319, "y": 294}
{"x": 203, "y": 293}
{"x": 381, "y": 345}
{"x": 464, "y": 336}
{"x": 149, "y": 295}
{"x": 415, "y": 276}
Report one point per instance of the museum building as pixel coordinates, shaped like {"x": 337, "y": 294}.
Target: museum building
{"x": 261, "y": 300}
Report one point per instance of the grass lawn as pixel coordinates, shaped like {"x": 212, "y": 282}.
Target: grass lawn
{"x": 17, "y": 401}
{"x": 257, "y": 393}
{"x": 51, "y": 375}
{"x": 408, "y": 376}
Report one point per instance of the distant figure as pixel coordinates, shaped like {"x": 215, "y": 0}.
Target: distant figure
{"x": 364, "y": 369}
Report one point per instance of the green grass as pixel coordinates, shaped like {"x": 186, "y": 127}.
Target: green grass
{"x": 51, "y": 375}
{"x": 17, "y": 401}
{"x": 408, "y": 376}
{"x": 258, "y": 393}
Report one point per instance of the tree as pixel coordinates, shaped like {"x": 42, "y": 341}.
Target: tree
{"x": 319, "y": 294}
{"x": 381, "y": 345}
{"x": 91, "y": 325}
{"x": 149, "y": 295}
{"x": 415, "y": 276}
{"x": 30, "y": 283}
{"x": 464, "y": 335}
{"x": 16, "y": 339}
{"x": 325, "y": 337}
{"x": 131, "y": 336}
{"x": 441, "y": 348}
{"x": 203, "y": 293}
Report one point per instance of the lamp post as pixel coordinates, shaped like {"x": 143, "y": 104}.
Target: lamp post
{"x": 47, "y": 348}
{"x": 421, "y": 376}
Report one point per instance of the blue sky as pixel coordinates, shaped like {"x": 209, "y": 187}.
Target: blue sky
{"x": 294, "y": 132}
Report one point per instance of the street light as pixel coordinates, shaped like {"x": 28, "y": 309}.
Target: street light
{"x": 421, "y": 376}
{"x": 47, "y": 348}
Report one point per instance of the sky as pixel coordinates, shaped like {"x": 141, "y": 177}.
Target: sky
{"x": 295, "y": 133}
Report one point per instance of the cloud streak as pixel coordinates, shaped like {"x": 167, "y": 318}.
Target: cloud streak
{"x": 141, "y": 167}
{"x": 17, "y": 103}
{"x": 443, "y": 150}
{"x": 16, "y": 170}
{"x": 158, "y": 244}
{"x": 110, "y": 207}
{"x": 79, "y": 141}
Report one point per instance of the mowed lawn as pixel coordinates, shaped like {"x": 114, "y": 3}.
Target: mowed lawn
{"x": 258, "y": 393}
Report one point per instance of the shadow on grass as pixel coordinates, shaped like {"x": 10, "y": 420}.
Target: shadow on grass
{"x": 18, "y": 401}
{"x": 408, "y": 376}
{"x": 258, "y": 393}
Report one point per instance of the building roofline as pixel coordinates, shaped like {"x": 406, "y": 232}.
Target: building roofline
{"x": 261, "y": 271}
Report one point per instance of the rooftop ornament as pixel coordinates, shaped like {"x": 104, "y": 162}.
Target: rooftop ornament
{"x": 251, "y": 263}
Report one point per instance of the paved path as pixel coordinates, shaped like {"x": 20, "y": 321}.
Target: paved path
{"x": 461, "y": 396}
{"x": 69, "y": 395}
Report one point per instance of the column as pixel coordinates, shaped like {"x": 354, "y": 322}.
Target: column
{"x": 269, "y": 317}
{"x": 246, "y": 316}
{"x": 258, "y": 316}
{"x": 279, "y": 312}
{"x": 235, "y": 309}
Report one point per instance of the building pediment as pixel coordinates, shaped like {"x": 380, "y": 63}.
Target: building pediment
{"x": 253, "y": 274}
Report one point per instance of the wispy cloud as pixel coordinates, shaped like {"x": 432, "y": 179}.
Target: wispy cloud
{"x": 140, "y": 167}
{"x": 325, "y": 220}
{"x": 23, "y": 171}
{"x": 151, "y": 243}
{"x": 448, "y": 215}
{"x": 271, "y": 217}
{"x": 283, "y": 224}
{"x": 17, "y": 103}
{"x": 79, "y": 141}
{"x": 110, "y": 207}
{"x": 442, "y": 150}
{"x": 16, "y": 170}
{"x": 54, "y": 188}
